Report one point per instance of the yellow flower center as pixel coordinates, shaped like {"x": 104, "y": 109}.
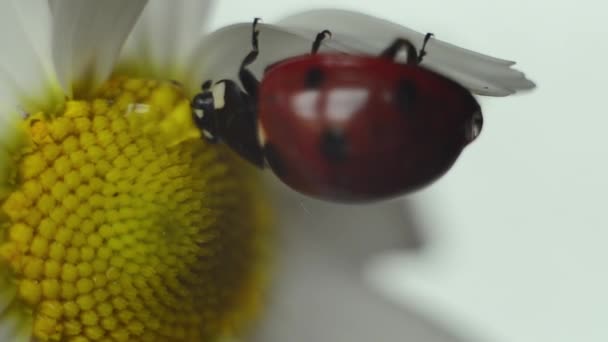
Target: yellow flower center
{"x": 122, "y": 225}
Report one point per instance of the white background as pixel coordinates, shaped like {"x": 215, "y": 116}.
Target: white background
{"x": 517, "y": 231}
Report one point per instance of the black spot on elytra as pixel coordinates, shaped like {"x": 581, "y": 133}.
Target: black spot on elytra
{"x": 405, "y": 96}
{"x": 274, "y": 159}
{"x": 334, "y": 146}
{"x": 314, "y": 78}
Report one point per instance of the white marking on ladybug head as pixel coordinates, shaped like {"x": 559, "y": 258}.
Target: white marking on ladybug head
{"x": 208, "y": 134}
{"x": 199, "y": 113}
{"x": 342, "y": 103}
{"x": 219, "y": 91}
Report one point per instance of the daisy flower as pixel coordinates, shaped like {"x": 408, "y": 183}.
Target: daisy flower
{"x": 119, "y": 223}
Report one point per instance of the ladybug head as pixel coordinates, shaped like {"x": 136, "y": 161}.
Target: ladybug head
{"x": 225, "y": 113}
{"x": 205, "y": 106}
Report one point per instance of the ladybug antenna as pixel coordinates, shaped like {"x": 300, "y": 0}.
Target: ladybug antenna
{"x": 321, "y": 36}
{"x": 427, "y": 37}
{"x": 251, "y": 57}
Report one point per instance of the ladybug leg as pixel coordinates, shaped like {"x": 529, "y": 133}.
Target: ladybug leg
{"x": 400, "y": 43}
{"x": 248, "y": 80}
{"x": 253, "y": 54}
{"x": 391, "y": 51}
{"x": 320, "y": 37}
{"x": 422, "y": 51}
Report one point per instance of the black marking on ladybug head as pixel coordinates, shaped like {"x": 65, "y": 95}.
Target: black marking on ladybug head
{"x": 203, "y": 114}
{"x": 207, "y": 106}
{"x": 334, "y": 146}
{"x": 274, "y": 159}
{"x": 314, "y": 78}
{"x": 405, "y": 96}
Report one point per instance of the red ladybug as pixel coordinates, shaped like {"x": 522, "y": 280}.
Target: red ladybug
{"x": 343, "y": 127}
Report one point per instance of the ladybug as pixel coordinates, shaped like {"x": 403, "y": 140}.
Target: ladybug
{"x": 343, "y": 127}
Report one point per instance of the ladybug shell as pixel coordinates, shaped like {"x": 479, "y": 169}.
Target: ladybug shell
{"x": 360, "y": 128}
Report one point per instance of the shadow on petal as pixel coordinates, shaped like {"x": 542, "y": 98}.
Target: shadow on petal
{"x": 319, "y": 294}
{"x": 350, "y": 233}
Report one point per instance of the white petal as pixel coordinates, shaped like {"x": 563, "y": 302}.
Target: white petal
{"x": 27, "y": 76}
{"x": 319, "y": 293}
{"x": 9, "y": 99}
{"x": 165, "y": 37}
{"x": 10, "y": 120}
{"x": 15, "y": 325}
{"x": 8, "y": 290}
{"x": 220, "y": 53}
{"x": 87, "y": 38}
{"x": 482, "y": 74}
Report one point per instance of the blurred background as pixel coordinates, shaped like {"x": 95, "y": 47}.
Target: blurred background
{"x": 516, "y": 234}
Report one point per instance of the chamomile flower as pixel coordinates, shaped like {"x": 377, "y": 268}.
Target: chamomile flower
{"x": 118, "y": 222}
